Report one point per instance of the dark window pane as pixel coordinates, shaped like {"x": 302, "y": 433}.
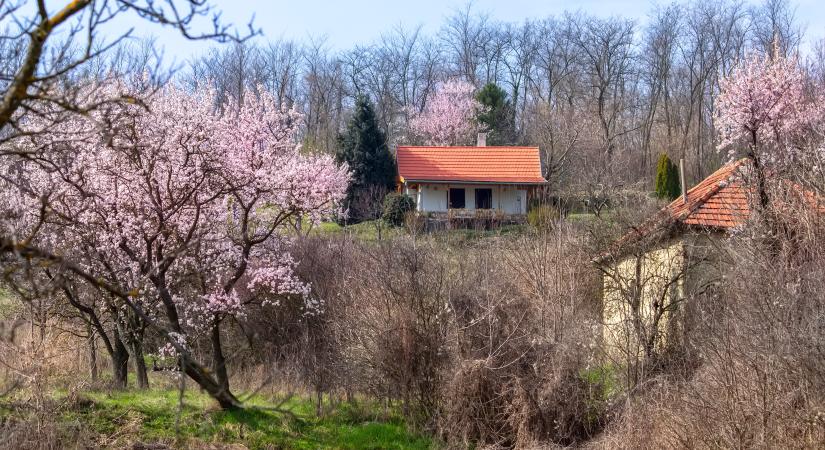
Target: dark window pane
{"x": 457, "y": 199}
{"x": 484, "y": 198}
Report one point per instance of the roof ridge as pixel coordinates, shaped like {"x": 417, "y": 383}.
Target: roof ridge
{"x": 470, "y": 146}
{"x": 715, "y": 188}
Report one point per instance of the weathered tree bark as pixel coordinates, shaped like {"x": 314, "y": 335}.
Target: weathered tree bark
{"x": 120, "y": 362}
{"x": 92, "y": 352}
{"x": 131, "y": 329}
{"x": 218, "y": 358}
{"x": 199, "y": 375}
{"x": 141, "y": 375}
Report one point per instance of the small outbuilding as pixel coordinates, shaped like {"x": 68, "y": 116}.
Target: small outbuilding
{"x": 463, "y": 181}
{"x": 650, "y": 272}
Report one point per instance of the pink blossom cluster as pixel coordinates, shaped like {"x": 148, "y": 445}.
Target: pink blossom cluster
{"x": 764, "y": 107}
{"x": 170, "y": 350}
{"x": 448, "y": 117}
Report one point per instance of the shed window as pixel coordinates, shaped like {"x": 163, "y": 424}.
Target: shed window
{"x": 484, "y": 198}
{"x": 457, "y": 199}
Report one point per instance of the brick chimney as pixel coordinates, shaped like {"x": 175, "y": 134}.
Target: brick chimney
{"x": 481, "y": 140}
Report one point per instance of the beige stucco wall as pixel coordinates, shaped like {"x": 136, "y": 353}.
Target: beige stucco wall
{"x": 660, "y": 279}
{"x": 674, "y": 271}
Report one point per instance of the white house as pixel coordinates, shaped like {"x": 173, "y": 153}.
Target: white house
{"x": 467, "y": 179}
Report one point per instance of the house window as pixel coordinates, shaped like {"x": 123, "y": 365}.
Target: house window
{"x": 484, "y": 198}
{"x": 457, "y": 199}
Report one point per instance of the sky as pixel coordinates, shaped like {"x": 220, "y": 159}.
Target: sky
{"x": 347, "y": 23}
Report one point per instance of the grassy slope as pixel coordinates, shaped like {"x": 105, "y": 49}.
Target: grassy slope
{"x": 367, "y": 231}
{"x": 119, "y": 419}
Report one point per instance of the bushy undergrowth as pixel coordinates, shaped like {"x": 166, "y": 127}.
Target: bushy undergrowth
{"x": 492, "y": 341}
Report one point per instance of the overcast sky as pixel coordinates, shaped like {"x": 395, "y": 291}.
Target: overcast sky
{"x": 346, "y": 23}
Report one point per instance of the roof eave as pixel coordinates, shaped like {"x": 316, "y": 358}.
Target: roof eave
{"x": 530, "y": 183}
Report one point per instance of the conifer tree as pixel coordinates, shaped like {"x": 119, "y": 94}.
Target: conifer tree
{"x": 363, "y": 146}
{"x": 667, "y": 179}
{"x": 496, "y": 114}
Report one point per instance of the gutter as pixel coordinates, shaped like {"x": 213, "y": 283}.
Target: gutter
{"x": 526, "y": 183}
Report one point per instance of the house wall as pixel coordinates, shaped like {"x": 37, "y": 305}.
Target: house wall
{"x": 652, "y": 274}
{"x": 433, "y": 197}
{"x": 670, "y": 273}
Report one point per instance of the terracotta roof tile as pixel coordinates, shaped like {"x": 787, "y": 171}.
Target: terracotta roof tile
{"x": 480, "y": 164}
{"x": 719, "y": 201}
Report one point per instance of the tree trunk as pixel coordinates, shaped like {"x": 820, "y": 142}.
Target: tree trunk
{"x": 197, "y": 373}
{"x": 218, "y": 359}
{"x": 92, "y": 353}
{"x": 120, "y": 361}
{"x": 140, "y": 365}
{"x": 132, "y": 334}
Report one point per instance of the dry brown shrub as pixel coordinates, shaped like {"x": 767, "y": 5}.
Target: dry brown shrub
{"x": 525, "y": 335}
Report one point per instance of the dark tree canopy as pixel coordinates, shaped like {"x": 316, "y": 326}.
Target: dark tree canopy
{"x": 497, "y": 116}
{"x": 364, "y": 147}
{"x": 667, "y": 179}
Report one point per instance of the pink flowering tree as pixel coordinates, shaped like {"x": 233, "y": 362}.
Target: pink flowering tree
{"x": 763, "y": 108}
{"x": 448, "y": 116}
{"x": 181, "y": 209}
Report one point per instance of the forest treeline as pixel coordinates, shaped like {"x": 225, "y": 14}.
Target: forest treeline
{"x": 602, "y": 97}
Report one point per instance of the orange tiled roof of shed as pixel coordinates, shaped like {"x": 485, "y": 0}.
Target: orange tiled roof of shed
{"x": 719, "y": 201}
{"x": 517, "y": 165}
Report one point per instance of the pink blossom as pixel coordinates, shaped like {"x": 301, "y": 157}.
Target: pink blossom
{"x": 762, "y": 105}
{"x": 448, "y": 117}
{"x": 178, "y": 186}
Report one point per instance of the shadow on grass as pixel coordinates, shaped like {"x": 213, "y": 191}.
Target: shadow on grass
{"x": 122, "y": 418}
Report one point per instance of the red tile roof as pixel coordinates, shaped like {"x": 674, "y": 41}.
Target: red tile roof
{"x": 719, "y": 201}
{"x": 518, "y": 165}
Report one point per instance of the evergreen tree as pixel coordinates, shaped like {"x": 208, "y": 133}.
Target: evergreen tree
{"x": 496, "y": 114}
{"x": 364, "y": 147}
{"x": 667, "y": 179}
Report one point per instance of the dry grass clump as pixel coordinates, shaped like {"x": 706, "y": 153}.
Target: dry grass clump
{"x": 526, "y": 341}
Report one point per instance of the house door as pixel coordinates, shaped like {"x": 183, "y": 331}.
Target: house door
{"x": 484, "y": 198}
{"x": 521, "y": 202}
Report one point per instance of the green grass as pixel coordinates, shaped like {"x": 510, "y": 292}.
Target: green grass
{"x": 121, "y": 418}
{"x": 587, "y": 217}
{"x": 365, "y": 231}
{"x": 368, "y": 231}
{"x": 459, "y": 235}
{"x": 603, "y": 386}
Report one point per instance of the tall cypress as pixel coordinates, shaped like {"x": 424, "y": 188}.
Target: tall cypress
{"x": 364, "y": 147}
{"x": 667, "y": 179}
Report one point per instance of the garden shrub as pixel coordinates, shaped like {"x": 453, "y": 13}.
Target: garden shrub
{"x": 396, "y": 207}
{"x": 667, "y": 179}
